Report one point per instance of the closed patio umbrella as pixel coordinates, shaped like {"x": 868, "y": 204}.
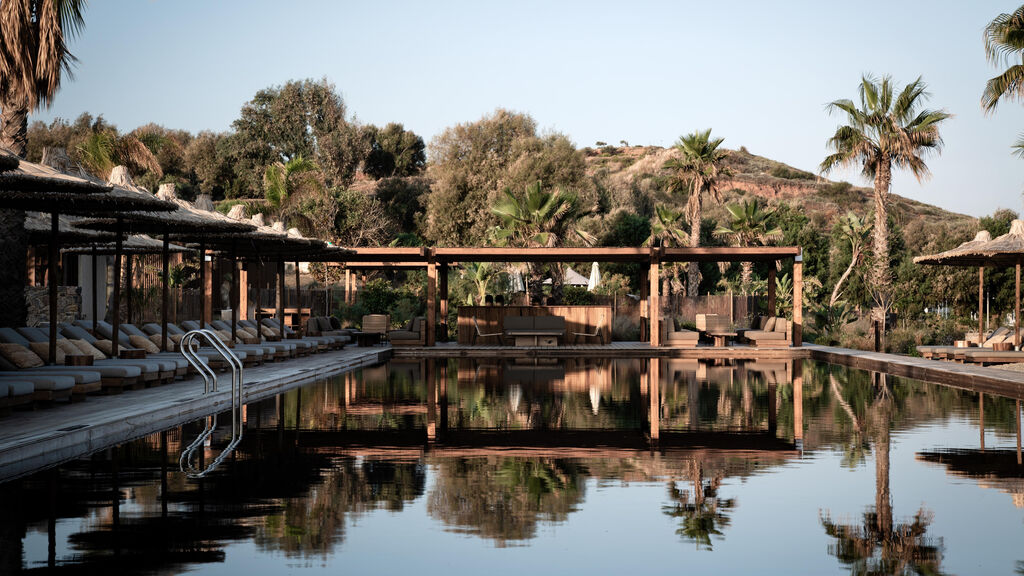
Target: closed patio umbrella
{"x": 595, "y": 277}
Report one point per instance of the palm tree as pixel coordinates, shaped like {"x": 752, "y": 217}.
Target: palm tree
{"x": 703, "y": 513}
{"x": 295, "y": 192}
{"x": 480, "y": 274}
{"x": 749, "y": 225}
{"x": 538, "y": 219}
{"x": 887, "y": 131}
{"x": 857, "y": 231}
{"x": 666, "y": 230}
{"x": 1004, "y": 44}
{"x": 33, "y": 57}
{"x": 697, "y": 170}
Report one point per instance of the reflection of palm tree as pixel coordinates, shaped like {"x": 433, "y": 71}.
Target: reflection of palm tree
{"x": 879, "y": 546}
{"x": 705, "y": 514}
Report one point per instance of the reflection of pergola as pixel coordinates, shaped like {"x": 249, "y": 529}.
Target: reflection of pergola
{"x": 437, "y": 260}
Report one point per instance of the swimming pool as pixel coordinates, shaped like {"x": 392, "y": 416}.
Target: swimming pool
{"x": 653, "y": 466}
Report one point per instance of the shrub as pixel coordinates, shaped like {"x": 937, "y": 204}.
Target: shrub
{"x": 576, "y": 296}
{"x": 780, "y": 171}
{"x": 625, "y": 328}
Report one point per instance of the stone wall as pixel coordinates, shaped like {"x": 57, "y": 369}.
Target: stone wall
{"x": 69, "y": 304}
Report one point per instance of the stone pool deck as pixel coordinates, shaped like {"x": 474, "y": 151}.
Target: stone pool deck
{"x": 48, "y": 436}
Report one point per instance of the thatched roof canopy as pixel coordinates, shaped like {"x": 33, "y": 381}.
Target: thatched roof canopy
{"x": 184, "y": 222}
{"x": 1006, "y": 250}
{"x": 137, "y": 244}
{"x": 37, "y": 224}
{"x": 8, "y": 161}
{"x": 37, "y": 187}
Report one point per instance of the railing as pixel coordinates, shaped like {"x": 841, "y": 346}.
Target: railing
{"x": 190, "y": 350}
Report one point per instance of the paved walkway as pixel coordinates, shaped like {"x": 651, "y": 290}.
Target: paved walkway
{"x": 49, "y": 436}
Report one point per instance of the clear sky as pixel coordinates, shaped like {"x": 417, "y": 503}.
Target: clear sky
{"x": 758, "y": 73}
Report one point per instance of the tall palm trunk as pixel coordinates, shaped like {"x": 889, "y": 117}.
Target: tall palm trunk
{"x": 849, "y": 270}
{"x": 693, "y": 273}
{"x": 881, "y": 277}
{"x": 14, "y": 127}
{"x": 883, "y": 497}
{"x": 13, "y": 239}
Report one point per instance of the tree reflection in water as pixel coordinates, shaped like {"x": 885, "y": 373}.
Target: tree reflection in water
{"x": 504, "y": 500}
{"x": 705, "y": 513}
{"x": 879, "y": 545}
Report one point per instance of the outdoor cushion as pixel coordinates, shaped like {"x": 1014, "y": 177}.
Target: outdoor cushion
{"x": 105, "y": 346}
{"x": 684, "y": 335}
{"x": 549, "y": 323}
{"x": 42, "y": 349}
{"x": 335, "y": 323}
{"x": 89, "y": 349}
{"x": 20, "y": 356}
{"x": 517, "y": 323}
{"x": 12, "y": 336}
{"x": 764, "y": 335}
{"x": 769, "y": 324}
{"x": 781, "y": 324}
{"x": 16, "y": 388}
{"x": 144, "y": 343}
{"x": 324, "y": 323}
{"x": 762, "y": 322}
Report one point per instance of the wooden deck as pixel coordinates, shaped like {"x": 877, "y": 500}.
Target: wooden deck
{"x": 31, "y": 441}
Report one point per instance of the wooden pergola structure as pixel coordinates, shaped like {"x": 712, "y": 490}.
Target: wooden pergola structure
{"x": 436, "y": 261}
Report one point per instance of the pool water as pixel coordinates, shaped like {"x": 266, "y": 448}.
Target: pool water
{"x": 613, "y": 466}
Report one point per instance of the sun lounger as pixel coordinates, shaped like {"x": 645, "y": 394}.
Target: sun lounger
{"x": 256, "y": 354}
{"x": 153, "y": 371}
{"x": 305, "y": 345}
{"x": 15, "y": 392}
{"x": 283, "y": 349}
{"x": 114, "y": 375}
{"x": 46, "y": 387}
{"x": 949, "y": 352}
{"x": 127, "y": 333}
{"x": 985, "y": 356}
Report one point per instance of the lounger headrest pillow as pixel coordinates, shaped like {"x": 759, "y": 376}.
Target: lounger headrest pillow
{"x": 104, "y": 346}
{"x": 269, "y": 332}
{"x": 88, "y": 349}
{"x": 158, "y": 340}
{"x": 20, "y": 356}
{"x": 68, "y": 347}
{"x": 42, "y": 349}
{"x": 769, "y": 324}
{"x": 144, "y": 343}
{"x": 781, "y": 324}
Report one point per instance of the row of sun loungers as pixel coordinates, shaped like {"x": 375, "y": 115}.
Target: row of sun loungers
{"x": 984, "y": 354}
{"x": 24, "y": 377}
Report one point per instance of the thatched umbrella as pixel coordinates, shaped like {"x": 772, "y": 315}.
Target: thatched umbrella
{"x": 30, "y": 186}
{"x": 960, "y": 256}
{"x": 1006, "y": 250}
{"x": 185, "y": 223}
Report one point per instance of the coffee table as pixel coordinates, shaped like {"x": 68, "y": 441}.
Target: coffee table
{"x": 720, "y": 337}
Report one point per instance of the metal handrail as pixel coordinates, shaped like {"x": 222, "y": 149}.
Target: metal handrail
{"x": 189, "y": 349}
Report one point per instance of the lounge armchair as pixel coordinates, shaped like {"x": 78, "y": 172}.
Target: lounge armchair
{"x": 673, "y": 337}
{"x": 414, "y": 333}
{"x": 114, "y": 375}
{"x": 481, "y": 334}
{"x": 376, "y": 324}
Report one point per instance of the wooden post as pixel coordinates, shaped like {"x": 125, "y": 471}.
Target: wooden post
{"x": 431, "y": 299}
{"x": 798, "y": 300}
{"x": 443, "y": 299}
{"x": 1016, "y": 312}
{"x": 431, "y": 401}
{"x": 165, "y": 291}
{"x": 243, "y": 294}
{"x": 981, "y": 419}
{"x": 654, "y": 393}
{"x": 234, "y": 292}
{"x": 348, "y": 286}
{"x": 798, "y": 403}
{"x": 771, "y": 291}
{"x": 773, "y": 419}
{"x": 280, "y": 296}
{"x": 54, "y": 259}
{"x": 644, "y": 304}
{"x": 877, "y": 329}
{"x": 298, "y": 299}
{"x": 95, "y": 298}
{"x": 30, "y": 264}
{"x": 654, "y": 309}
{"x": 129, "y": 275}
{"x": 981, "y": 305}
{"x": 202, "y": 284}
{"x": 116, "y": 314}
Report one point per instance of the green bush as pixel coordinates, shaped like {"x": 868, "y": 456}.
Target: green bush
{"x": 788, "y": 173}
{"x": 576, "y": 296}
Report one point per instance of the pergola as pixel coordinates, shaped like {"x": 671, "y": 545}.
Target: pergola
{"x": 437, "y": 260}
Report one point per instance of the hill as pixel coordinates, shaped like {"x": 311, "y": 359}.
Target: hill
{"x": 629, "y": 170}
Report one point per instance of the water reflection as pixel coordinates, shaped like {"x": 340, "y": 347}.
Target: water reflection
{"x": 495, "y": 450}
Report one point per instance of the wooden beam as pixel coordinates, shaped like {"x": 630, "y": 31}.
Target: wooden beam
{"x": 654, "y": 308}
{"x": 981, "y": 305}
{"x": 165, "y": 291}
{"x": 243, "y": 294}
{"x": 798, "y": 302}
{"x": 431, "y": 302}
{"x": 116, "y": 314}
{"x": 443, "y": 299}
{"x": 54, "y": 259}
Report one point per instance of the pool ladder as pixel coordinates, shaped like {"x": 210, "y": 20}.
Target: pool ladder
{"x": 190, "y": 350}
